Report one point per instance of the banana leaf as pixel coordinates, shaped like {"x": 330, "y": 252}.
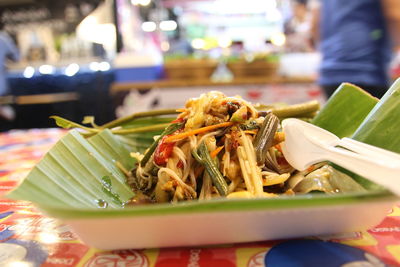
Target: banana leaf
{"x": 381, "y": 127}
{"x": 79, "y": 172}
{"x": 345, "y": 110}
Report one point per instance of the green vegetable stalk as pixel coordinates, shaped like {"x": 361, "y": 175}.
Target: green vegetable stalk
{"x": 212, "y": 169}
{"x": 265, "y": 136}
{"x": 298, "y": 110}
{"x": 123, "y": 120}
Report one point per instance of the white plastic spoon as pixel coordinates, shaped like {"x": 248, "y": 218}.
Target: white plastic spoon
{"x": 306, "y": 144}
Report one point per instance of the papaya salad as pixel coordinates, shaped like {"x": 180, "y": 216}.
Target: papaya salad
{"x": 221, "y": 146}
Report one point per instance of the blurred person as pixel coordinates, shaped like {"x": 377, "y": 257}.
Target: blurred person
{"x": 357, "y": 39}
{"x": 8, "y": 51}
{"x": 298, "y": 28}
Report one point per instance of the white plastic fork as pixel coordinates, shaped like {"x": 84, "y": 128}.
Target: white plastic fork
{"x": 306, "y": 144}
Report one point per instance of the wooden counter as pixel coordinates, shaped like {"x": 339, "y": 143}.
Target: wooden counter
{"x": 117, "y": 87}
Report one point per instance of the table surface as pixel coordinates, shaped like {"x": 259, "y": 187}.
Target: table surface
{"x": 28, "y": 238}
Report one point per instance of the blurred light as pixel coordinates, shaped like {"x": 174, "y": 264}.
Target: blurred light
{"x": 224, "y": 42}
{"x": 178, "y": 10}
{"x": 104, "y": 66}
{"x": 98, "y": 27}
{"x": 198, "y": 43}
{"x": 271, "y": 4}
{"x": 94, "y": 66}
{"x": 145, "y": 2}
{"x": 19, "y": 264}
{"x": 140, "y": 2}
{"x": 168, "y": 25}
{"x": 25, "y": 212}
{"x": 90, "y": 30}
{"x": 149, "y": 26}
{"x": 243, "y": 7}
{"x": 29, "y": 72}
{"x": 165, "y": 46}
{"x": 274, "y": 15}
{"x": 72, "y": 69}
{"x": 210, "y": 43}
{"x": 278, "y": 39}
{"x": 46, "y": 69}
{"x": 90, "y": 20}
{"x": 48, "y": 238}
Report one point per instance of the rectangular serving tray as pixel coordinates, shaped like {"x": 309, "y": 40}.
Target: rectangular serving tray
{"x": 226, "y": 221}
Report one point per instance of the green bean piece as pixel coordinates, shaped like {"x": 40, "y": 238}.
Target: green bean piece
{"x": 211, "y": 168}
{"x": 143, "y": 129}
{"x": 296, "y": 110}
{"x": 265, "y": 136}
{"x": 169, "y": 130}
{"x": 151, "y": 113}
{"x": 308, "y": 115}
{"x": 250, "y": 125}
{"x": 67, "y": 124}
{"x": 197, "y": 157}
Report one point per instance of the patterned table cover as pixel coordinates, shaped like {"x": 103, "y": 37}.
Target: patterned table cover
{"x": 28, "y": 238}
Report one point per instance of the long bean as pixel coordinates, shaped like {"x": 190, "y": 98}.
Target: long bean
{"x": 212, "y": 169}
{"x": 197, "y": 157}
{"x": 297, "y": 110}
{"x": 67, "y": 124}
{"x": 142, "y": 129}
{"x": 137, "y": 115}
{"x": 265, "y": 136}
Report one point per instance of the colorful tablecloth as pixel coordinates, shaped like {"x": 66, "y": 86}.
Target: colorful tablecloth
{"x": 28, "y": 238}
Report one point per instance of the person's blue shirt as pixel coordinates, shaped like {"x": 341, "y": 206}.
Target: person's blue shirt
{"x": 7, "y": 50}
{"x": 355, "y": 44}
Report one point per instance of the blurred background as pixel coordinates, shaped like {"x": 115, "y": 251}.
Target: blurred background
{"x": 110, "y": 58}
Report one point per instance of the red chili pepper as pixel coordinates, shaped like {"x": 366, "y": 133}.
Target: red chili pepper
{"x": 279, "y": 148}
{"x": 177, "y": 120}
{"x": 164, "y": 150}
{"x": 179, "y": 165}
{"x": 282, "y": 161}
